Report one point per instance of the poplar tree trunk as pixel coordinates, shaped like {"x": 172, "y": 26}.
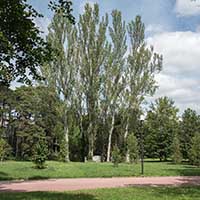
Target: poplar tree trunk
{"x": 91, "y": 141}
{"x": 66, "y": 132}
{"x": 110, "y": 138}
{"x": 125, "y": 139}
{"x": 67, "y": 144}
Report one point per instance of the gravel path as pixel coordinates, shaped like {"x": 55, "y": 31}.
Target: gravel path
{"x": 94, "y": 183}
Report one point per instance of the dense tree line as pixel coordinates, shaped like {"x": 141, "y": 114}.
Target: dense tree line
{"x": 29, "y": 114}
{"x": 90, "y": 102}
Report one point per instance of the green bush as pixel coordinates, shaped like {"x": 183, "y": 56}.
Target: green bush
{"x": 5, "y": 149}
{"x": 63, "y": 151}
{"x": 133, "y": 148}
{"x": 116, "y": 156}
{"x": 194, "y": 154}
{"x": 40, "y": 154}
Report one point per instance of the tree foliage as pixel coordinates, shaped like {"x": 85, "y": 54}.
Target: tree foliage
{"x": 40, "y": 153}
{"x": 176, "y": 150}
{"x": 116, "y": 157}
{"x": 22, "y": 49}
{"x": 133, "y": 148}
{"x": 189, "y": 125}
{"x": 161, "y": 126}
{"x": 5, "y": 149}
{"x": 194, "y": 152}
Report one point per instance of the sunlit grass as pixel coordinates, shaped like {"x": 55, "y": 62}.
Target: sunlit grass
{"x": 25, "y": 170}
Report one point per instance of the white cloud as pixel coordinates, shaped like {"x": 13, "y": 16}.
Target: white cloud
{"x": 179, "y": 79}
{"x": 187, "y": 7}
{"x": 181, "y": 51}
{"x": 154, "y": 28}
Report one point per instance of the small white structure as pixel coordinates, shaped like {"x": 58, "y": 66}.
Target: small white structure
{"x": 96, "y": 158}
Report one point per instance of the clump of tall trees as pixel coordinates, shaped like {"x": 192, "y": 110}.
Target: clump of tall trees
{"x": 99, "y": 78}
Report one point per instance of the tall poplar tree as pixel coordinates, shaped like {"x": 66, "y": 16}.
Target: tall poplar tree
{"x": 113, "y": 73}
{"x": 61, "y": 71}
{"x": 92, "y": 47}
{"x": 143, "y": 64}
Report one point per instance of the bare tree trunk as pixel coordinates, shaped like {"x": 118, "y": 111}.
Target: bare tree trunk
{"x": 125, "y": 140}
{"x": 17, "y": 147}
{"x": 67, "y": 144}
{"x": 91, "y": 141}
{"x": 82, "y": 138}
{"x": 110, "y": 138}
{"x": 66, "y": 132}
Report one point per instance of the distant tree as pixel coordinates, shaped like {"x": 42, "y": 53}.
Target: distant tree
{"x": 161, "y": 126}
{"x": 194, "y": 152}
{"x": 133, "y": 148}
{"x": 6, "y": 107}
{"x": 189, "y": 125}
{"x": 35, "y": 113}
{"x": 176, "y": 151}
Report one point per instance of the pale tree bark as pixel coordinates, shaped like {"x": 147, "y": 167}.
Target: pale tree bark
{"x": 66, "y": 132}
{"x": 110, "y": 137}
{"x": 125, "y": 139}
{"x": 91, "y": 141}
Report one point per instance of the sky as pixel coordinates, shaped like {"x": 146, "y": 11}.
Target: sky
{"x": 172, "y": 27}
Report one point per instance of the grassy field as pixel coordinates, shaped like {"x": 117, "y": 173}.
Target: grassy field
{"x": 12, "y": 170}
{"x": 157, "y": 193}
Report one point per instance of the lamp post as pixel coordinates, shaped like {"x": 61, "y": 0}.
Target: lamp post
{"x": 142, "y": 147}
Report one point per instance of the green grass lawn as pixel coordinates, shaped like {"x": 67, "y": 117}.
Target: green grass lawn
{"x": 11, "y": 170}
{"x": 146, "y": 193}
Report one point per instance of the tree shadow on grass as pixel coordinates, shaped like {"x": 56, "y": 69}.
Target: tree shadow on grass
{"x": 38, "y": 178}
{"x": 4, "y": 176}
{"x": 177, "y": 192}
{"x": 46, "y": 196}
{"x": 187, "y": 171}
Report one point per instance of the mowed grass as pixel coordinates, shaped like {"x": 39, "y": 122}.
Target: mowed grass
{"x": 13, "y": 170}
{"x": 155, "y": 193}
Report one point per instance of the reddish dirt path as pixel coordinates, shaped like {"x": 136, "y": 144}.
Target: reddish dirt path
{"x": 94, "y": 183}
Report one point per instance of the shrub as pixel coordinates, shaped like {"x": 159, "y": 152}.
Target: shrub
{"x": 63, "y": 151}
{"x": 116, "y": 157}
{"x": 133, "y": 148}
{"x": 4, "y": 149}
{"x": 194, "y": 154}
{"x": 40, "y": 154}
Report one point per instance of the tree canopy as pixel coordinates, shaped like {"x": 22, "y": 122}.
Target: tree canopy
{"x": 22, "y": 48}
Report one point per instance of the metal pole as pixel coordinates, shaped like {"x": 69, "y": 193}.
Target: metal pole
{"x": 142, "y": 149}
